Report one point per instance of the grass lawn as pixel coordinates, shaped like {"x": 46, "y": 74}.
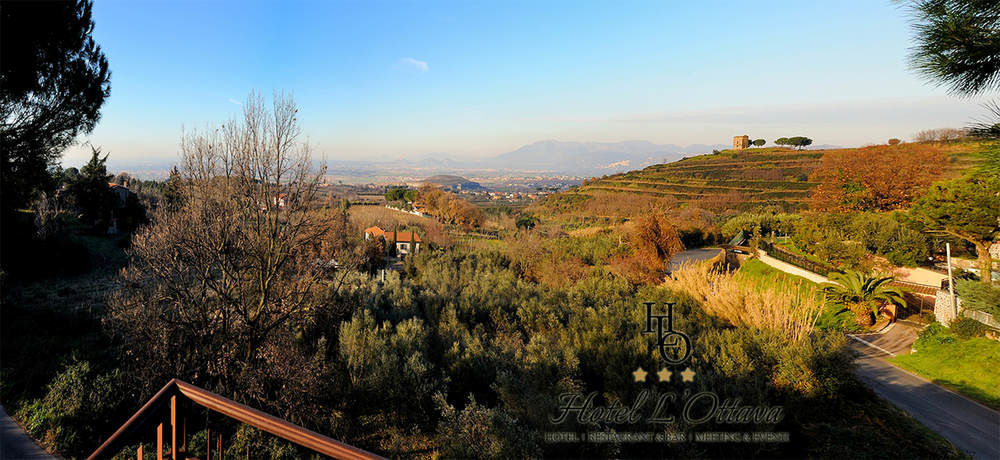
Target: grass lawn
{"x": 968, "y": 366}
{"x": 831, "y": 318}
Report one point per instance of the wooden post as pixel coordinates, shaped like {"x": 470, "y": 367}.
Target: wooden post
{"x": 173, "y": 427}
{"x": 184, "y": 443}
{"x": 159, "y": 441}
{"x": 221, "y": 455}
{"x": 208, "y": 441}
{"x": 138, "y": 455}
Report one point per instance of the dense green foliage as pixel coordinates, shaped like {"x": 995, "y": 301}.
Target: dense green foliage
{"x": 795, "y": 141}
{"x": 967, "y": 328}
{"x": 462, "y": 352}
{"x": 760, "y": 222}
{"x": 965, "y": 208}
{"x": 90, "y": 191}
{"x": 845, "y": 239}
{"x": 979, "y": 296}
{"x": 401, "y": 194}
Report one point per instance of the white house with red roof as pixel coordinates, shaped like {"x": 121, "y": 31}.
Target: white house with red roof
{"x": 406, "y": 242}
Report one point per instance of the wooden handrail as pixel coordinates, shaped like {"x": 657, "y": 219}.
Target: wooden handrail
{"x": 225, "y": 406}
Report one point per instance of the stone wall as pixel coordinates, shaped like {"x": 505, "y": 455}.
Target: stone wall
{"x": 944, "y": 313}
{"x": 982, "y": 317}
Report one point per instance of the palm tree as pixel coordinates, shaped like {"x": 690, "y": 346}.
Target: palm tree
{"x": 863, "y": 294}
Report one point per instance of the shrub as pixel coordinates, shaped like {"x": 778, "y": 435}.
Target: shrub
{"x": 764, "y": 222}
{"x": 894, "y": 141}
{"x": 967, "y": 328}
{"x": 478, "y": 431}
{"x": 979, "y": 296}
{"x": 934, "y": 334}
{"x": 885, "y": 234}
{"x": 78, "y": 408}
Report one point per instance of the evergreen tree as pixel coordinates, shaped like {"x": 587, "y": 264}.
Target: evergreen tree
{"x": 91, "y": 193}
{"x": 967, "y": 208}
{"x": 173, "y": 195}
{"x": 53, "y": 81}
{"x": 958, "y": 43}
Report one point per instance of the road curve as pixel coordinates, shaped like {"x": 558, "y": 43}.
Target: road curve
{"x": 970, "y": 426}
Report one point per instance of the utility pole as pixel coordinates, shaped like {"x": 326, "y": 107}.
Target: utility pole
{"x": 951, "y": 282}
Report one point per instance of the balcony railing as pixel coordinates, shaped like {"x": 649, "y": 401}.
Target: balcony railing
{"x": 153, "y": 413}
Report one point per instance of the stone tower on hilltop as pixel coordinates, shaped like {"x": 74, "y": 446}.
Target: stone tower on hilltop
{"x": 741, "y": 142}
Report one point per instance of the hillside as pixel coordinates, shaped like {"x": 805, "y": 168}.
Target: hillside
{"x": 764, "y": 176}
{"x": 730, "y": 180}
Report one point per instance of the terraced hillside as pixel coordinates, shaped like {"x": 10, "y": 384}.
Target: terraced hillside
{"x": 775, "y": 176}
{"x": 729, "y": 180}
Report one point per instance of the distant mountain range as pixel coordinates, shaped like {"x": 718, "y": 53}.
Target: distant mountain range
{"x": 591, "y": 157}
{"x": 549, "y": 156}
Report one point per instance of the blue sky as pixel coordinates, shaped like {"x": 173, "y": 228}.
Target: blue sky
{"x": 472, "y": 78}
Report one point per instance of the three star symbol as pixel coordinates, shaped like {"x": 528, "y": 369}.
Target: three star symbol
{"x": 687, "y": 375}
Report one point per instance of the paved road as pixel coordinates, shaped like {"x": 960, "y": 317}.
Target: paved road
{"x": 692, "y": 256}
{"x": 970, "y": 426}
{"x": 15, "y": 443}
{"x": 896, "y": 340}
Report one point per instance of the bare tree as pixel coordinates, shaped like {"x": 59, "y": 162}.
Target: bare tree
{"x": 212, "y": 287}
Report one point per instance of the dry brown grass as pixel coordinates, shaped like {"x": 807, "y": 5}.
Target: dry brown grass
{"x": 788, "y": 309}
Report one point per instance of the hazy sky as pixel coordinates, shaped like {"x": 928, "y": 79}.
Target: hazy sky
{"x": 474, "y": 78}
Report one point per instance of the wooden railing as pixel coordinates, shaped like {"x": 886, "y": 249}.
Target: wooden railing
{"x": 153, "y": 413}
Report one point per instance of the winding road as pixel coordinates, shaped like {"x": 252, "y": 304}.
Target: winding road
{"x": 970, "y": 426}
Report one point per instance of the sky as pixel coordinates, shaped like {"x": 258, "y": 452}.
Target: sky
{"x": 383, "y": 80}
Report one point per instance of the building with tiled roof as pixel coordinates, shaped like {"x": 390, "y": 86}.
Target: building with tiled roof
{"x": 405, "y": 242}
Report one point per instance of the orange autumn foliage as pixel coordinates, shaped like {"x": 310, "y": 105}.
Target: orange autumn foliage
{"x": 654, "y": 241}
{"x": 875, "y": 178}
